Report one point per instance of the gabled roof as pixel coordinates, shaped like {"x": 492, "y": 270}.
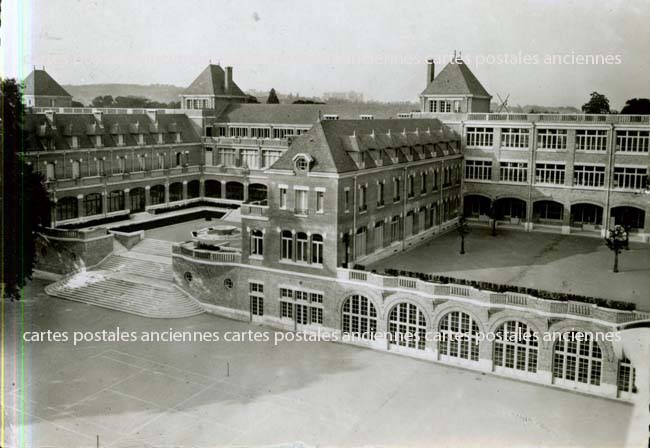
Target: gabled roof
{"x": 39, "y": 82}
{"x": 330, "y": 142}
{"x": 212, "y": 81}
{"x": 456, "y": 79}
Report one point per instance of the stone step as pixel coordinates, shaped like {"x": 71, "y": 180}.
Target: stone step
{"x": 134, "y": 266}
{"x": 154, "y": 247}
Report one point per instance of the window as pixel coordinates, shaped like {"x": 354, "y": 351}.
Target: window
{"x": 320, "y": 198}
{"x": 548, "y": 210}
{"x": 282, "y": 132}
{"x": 50, "y": 171}
{"x": 362, "y": 198}
{"x": 396, "y": 189}
{"x": 256, "y": 295}
{"x": 380, "y": 193}
{"x": 589, "y": 175}
{"x": 394, "y": 229}
{"x": 442, "y": 106}
{"x": 270, "y": 157}
{"x": 141, "y": 162}
{"x": 115, "y": 201}
{"x": 458, "y": 336}
{"x": 227, "y": 157}
{"x": 549, "y": 173}
{"x": 513, "y": 172}
{"x": 283, "y": 198}
{"x": 317, "y": 249}
{"x": 222, "y": 131}
{"x": 159, "y": 138}
{"x": 93, "y": 204}
{"x": 74, "y": 142}
{"x": 179, "y": 159}
{"x": 301, "y": 247}
{"x": 100, "y": 167}
{"x": 250, "y": 158}
{"x": 140, "y": 139}
{"x": 121, "y": 165}
{"x": 359, "y": 317}
{"x": 347, "y": 199}
{"x": 515, "y": 347}
{"x": 260, "y": 132}
{"x": 478, "y": 169}
{"x": 551, "y": 139}
{"x": 120, "y": 139}
{"x": 161, "y": 161}
{"x": 630, "y": 178}
{"x": 360, "y": 242}
{"x": 515, "y": 138}
{"x": 98, "y": 141}
{"x": 480, "y": 137}
{"x": 301, "y": 206}
{"x": 257, "y": 243}
{"x": 626, "y": 376}
{"x": 591, "y": 140}
{"x": 238, "y": 131}
{"x": 67, "y": 208}
{"x": 287, "y": 245}
{"x": 577, "y": 358}
{"x": 208, "y": 131}
{"x": 632, "y": 141}
{"x": 76, "y": 165}
{"x": 423, "y": 182}
{"x": 286, "y": 309}
{"x": 411, "y": 185}
{"x": 302, "y": 164}
{"x": 434, "y": 183}
{"x": 407, "y": 326}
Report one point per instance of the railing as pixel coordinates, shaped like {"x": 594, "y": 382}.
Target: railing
{"x": 255, "y": 208}
{"x": 209, "y": 255}
{"x": 105, "y": 110}
{"x": 81, "y": 234}
{"x": 562, "y": 118}
{"x": 508, "y": 298}
{"x": 266, "y": 142}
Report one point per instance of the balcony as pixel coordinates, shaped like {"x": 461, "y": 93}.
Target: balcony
{"x": 255, "y": 209}
{"x": 215, "y": 256}
{"x": 563, "y": 118}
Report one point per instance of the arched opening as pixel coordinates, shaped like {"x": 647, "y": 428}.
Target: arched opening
{"x": 302, "y": 243}
{"x": 115, "y": 201}
{"x": 359, "y": 317}
{"x": 515, "y": 347}
{"x": 235, "y": 191}
{"x": 157, "y": 194}
{"x": 317, "y": 249}
{"x": 193, "y": 189}
{"x": 137, "y": 200}
{"x": 512, "y": 209}
{"x": 577, "y": 359}
{"x": 475, "y": 206}
{"x": 67, "y": 208}
{"x": 629, "y": 216}
{"x": 212, "y": 189}
{"x": 458, "y": 336}
{"x": 360, "y": 240}
{"x": 257, "y": 243}
{"x": 548, "y": 212}
{"x": 93, "y": 204}
{"x": 407, "y": 326}
{"x": 257, "y": 193}
{"x": 176, "y": 192}
{"x": 588, "y": 214}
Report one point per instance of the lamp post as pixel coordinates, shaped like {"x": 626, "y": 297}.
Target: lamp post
{"x": 463, "y": 230}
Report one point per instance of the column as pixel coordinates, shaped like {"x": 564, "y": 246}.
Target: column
{"x": 223, "y": 189}
{"x": 166, "y": 192}
{"x": 528, "y": 225}
{"x": 127, "y": 199}
{"x": 566, "y": 220}
{"x": 53, "y": 211}
{"x": 202, "y": 187}
{"x": 184, "y": 190}
{"x": 81, "y": 212}
{"x": 104, "y": 203}
{"x": 147, "y": 196}
{"x": 245, "y": 191}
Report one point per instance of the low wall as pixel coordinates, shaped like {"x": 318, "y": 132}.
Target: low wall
{"x": 128, "y": 239}
{"x": 67, "y": 251}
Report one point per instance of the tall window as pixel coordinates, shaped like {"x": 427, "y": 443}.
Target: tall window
{"x": 227, "y": 157}
{"x": 251, "y": 158}
{"x": 67, "y": 208}
{"x": 380, "y": 193}
{"x": 435, "y": 182}
{"x": 549, "y": 173}
{"x": 141, "y": 162}
{"x": 347, "y": 199}
{"x": 480, "y": 137}
{"x": 589, "y": 175}
{"x": 633, "y": 178}
{"x": 301, "y": 207}
{"x": 396, "y": 189}
{"x": 551, "y": 139}
{"x": 257, "y": 242}
{"x": 161, "y": 161}
{"x": 287, "y": 245}
{"x": 515, "y": 347}
{"x": 115, "y": 201}
{"x": 591, "y": 140}
{"x": 577, "y": 358}
{"x": 76, "y": 165}
{"x": 423, "y": 182}
{"x": 632, "y": 141}
{"x": 360, "y": 242}
{"x": 478, "y": 169}
{"x": 269, "y": 157}
{"x": 320, "y": 200}
{"x": 301, "y": 247}
{"x": 260, "y": 132}
{"x": 513, "y": 172}
{"x": 238, "y": 131}
{"x": 362, "y": 198}
{"x": 626, "y": 376}
{"x": 515, "y": 138}
{"x": 407, "y": 326}
{"x": 50, "y": 172}
{"x": 394, "y": 229}
{"x": 256, "y": 295}
{"x": 359, "y": 317}
{"x": 93, "y": 204}
{"x": 317, "y": 249}
{"x": 411, "y": 185}
{"x": 283, "y": 198}
{"x": 458, "y": 336}
{"x": 121, "y": 165}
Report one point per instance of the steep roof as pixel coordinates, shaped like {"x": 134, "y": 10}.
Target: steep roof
{"x": 212, "y": 81}
{"x": 39, "y": 82}
{"x": 456, "y": 79}
{"x": 330, "y": 142}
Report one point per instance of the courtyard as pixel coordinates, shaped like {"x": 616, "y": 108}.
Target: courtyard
{"x": 552, "y": 262}
{"x": 207, "y": 394}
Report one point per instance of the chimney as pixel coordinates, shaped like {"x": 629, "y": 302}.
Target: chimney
{"x": 49, "y": 115}
{"x": 228, "y": 79}
{"x": 431, "y": 71}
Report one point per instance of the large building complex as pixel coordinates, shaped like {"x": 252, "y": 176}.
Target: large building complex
{"x": 324, "y": 190}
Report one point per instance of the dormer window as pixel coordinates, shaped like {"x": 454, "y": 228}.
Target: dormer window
{"x": 159, "y": 137}
{"x": 140, "y": 139}
{"x": 178, "y": 137}
{"x": 120, "y": 139}
{"x": 98, "y": 141}
{"x": 74, "y": 142}
{"x": 302, "y": 162}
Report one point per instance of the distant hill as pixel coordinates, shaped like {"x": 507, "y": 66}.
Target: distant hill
{"x": 164, "y": 93}
{"x": 528, "y": 108}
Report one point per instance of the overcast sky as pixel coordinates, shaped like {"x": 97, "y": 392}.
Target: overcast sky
{"x": 377, "y": 47}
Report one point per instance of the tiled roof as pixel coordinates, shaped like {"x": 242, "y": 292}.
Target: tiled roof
{"x": 39, "y": 82}
{"x": 456, "y": 79}
{"x": 212, "y": 81}
{"x": 86, "y": 126}
{"x": 340, "y": 146}
{"x": 306, "y": 114}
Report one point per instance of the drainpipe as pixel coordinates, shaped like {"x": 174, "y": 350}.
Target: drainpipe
{"x": 610, "y": 179}
{"x": 531, "y": 172}
{"x": 353, "y": 246}
{"x": 404, "y": 211}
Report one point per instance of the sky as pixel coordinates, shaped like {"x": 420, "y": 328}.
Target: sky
{"x": 377, "y": 47}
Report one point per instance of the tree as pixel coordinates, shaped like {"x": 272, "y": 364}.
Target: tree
{"x": 77, "y": 104}
{"x": 597, "y": 104}
{"x": 463, "y": 230}
{"x": 273, "y": 98}
{"x": 617, "y": 240}
{"x": 637, "y": 106}
{"x": 103, "y": 101}
{"x": 25, "y": 202}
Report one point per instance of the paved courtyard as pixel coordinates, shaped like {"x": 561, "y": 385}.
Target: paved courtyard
{"x": 254, "y": 393}
{"x": 554, "y": 262}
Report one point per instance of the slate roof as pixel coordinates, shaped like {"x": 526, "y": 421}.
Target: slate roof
{"x": 39, "y": 82}
{"x": 86, "y": 126}
{"x": 212, "y": 81}
{"x": 456, "y": 79}
{"x": 340, "y": 146}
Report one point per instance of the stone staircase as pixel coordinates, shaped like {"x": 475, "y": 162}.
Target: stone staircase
{"x": 139, "y": 281}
